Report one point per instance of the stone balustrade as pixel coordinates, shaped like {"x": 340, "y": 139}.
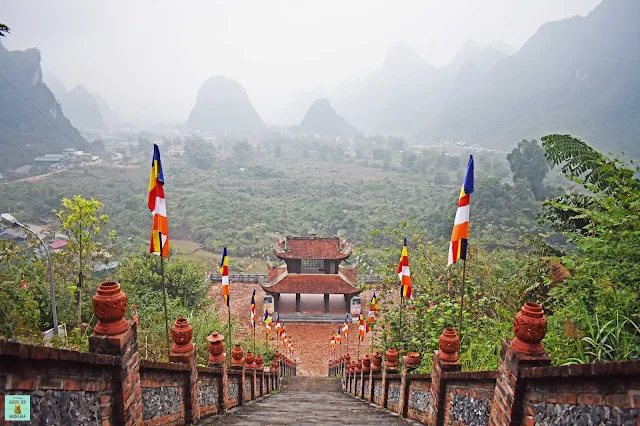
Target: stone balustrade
{"x": 524, "y": 390}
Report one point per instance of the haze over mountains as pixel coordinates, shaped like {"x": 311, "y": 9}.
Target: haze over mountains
{"x": 577, "y": 75}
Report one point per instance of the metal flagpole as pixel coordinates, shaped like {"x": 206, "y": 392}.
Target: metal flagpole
{"x": 164, "y": 294}
{"x": 464, "y": 274}
{"x": 358, "y": 356}
{"x": 254, "y": 338}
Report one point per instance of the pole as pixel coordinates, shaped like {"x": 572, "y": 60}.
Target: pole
{"x": 52, "y": 292}
{"x": 164, "y": 297}
{"x": 229, "y": 323}
{"x": 401, "y": 309}
{"x": 464, "y": 273}
{"x": 373, "y": 335}
{"x": 358, "y": 356}
{"x": 254, "y": 338}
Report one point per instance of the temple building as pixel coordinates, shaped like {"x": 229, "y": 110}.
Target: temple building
{"x": 312, "y": 265}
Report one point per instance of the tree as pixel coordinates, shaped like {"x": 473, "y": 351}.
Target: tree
{"x": 604, "y": 229}
{"x": 81, "y": 221}
{"x": 528, "y": 162}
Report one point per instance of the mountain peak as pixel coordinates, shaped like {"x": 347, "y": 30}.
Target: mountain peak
{"x": 223, "y": 106}
{"x": 401, "y": 52}
{"x": 323, "y": 120}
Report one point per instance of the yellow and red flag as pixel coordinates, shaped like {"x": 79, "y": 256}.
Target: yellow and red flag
{"x": 345, "y": 327}
{"x": 224, "y": 270}
{"x": 403, "y": 271}
{"x": 362, "y": 328}
{"x": 158, "y": 207}
{"x": 460, "y": 234}
{"x": 373, "y": 308}
{"x": 252, "y": 324}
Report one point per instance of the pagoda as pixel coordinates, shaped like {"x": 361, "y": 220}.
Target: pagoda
{"x": 312, "y": 265}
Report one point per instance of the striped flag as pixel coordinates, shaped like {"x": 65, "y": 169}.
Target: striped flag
{"x": 338, "y": 338}
{"x": 252, "y": 324}
{"x": 373, "y": 307}
{"x": 333, "y": 342}
{"x": 403, "y": 271}
{"x": 158, "y": 207}
{"x": 224, "y": 270}
{"x": 460, "y": 234}
{"x": 283, "y": 333}
{"x": 278, "y": 325}
{"x": 345, "y": 326}
{"x": 361, "y": 328}
{"x": 267, "y": 321}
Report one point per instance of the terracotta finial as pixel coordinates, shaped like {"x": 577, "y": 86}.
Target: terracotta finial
{"x": 529, "y": 327}
{"x": 109, "y": 306}
{"x": 449, "y": 344}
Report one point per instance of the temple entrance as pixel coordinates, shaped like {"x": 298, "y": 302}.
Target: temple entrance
{"x": 311, "y": 282}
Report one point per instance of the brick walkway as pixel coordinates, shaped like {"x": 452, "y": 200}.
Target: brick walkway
{"x": 308, "y": 401}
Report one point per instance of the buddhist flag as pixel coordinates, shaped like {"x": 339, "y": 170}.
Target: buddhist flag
{"x": 361, "y": 328}
{"x": 158, "y": 207}
{"x": 373, "y": 307}
{"x": 252, "y": 324}
{"x": 267, "y": 321}
{"x": 338, "y": 342}
{"x": 283, "y": 333}
{"x": 278, "y": 325}
{"x": 403, "y": 271}
{"x": 224, "y": 270}
{"x": 333, "y": 342}
{"x": 460, "y": 234}
{"x": 345, "y": 326}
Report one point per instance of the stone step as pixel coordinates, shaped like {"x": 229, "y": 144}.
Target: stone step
{"x": 312, "y": 384}
{"x": 336, "y": 318}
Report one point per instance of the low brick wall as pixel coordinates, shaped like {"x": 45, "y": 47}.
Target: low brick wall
{"x": 65, "y": 386}
{"x": 209, "y": 385}
{"x": 419, "y": 398}
{"x": 604, "y": 393}
{"x": 234, "y": 388}
{"x": 163, "y": 392}
{"x": 393, "y": 392}
{"x": 468, "y": 396}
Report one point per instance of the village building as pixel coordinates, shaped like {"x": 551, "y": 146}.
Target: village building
{"x": 312, "y": 265}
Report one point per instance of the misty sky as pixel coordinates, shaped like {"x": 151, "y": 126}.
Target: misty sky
{"x": 148, "y": 58}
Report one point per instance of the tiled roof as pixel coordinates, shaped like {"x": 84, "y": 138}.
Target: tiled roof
{"x": 311, "y": 284}
{"x": 312, "y": 248}
{"x": 58, "y": 244}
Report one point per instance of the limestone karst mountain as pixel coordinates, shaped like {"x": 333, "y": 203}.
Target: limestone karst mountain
{"x": 223, "y": 106}
{"x": 321, "y": 119}
{"x": 83, "y": 110}
{"x": 24, "y": 132}
{"x": 576, "y": 76}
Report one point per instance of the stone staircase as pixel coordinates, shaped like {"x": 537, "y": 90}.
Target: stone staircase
{"x": 307, "y": 400}
{"x": 335, "y": 318}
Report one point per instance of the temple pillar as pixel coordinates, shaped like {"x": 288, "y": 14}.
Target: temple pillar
{"x": 347, "y": 302}
{"x": 326, "y": 303}
{"x": 276, "y": 302}
{"x": 297, "y": 303}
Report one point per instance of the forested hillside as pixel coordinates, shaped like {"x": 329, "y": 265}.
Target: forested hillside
{"x": 244, "y": 201}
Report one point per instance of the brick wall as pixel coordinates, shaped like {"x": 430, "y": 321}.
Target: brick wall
{"x": 418, "y": 396}
{"x": 163, "y": 392}
{"x": 61, "y": 383}
{"x": 111, "y": 385}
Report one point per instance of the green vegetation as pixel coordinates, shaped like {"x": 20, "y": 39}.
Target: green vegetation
{"x": 592, "y": 307}
{"x": 590, "y": 234}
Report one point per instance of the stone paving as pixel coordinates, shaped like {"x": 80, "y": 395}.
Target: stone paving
{"x": 308, "y": 400}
